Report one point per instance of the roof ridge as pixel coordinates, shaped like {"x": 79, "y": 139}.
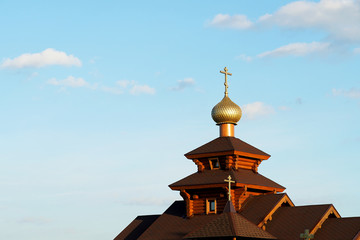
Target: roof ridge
{"x": 229, "y": 207}
{"x": 232, "y": 225}
{"x": 314, "y": 205}
{"x": 230, "y": 221}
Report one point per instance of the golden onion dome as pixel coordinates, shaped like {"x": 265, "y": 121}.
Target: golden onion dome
{"x": 226, "y": 111}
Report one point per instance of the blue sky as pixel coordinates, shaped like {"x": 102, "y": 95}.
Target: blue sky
{"x": 100, "y": 100}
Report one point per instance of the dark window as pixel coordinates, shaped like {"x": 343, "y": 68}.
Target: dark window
{"x": 214, "y": 163}
{"x": 210, "y": 206}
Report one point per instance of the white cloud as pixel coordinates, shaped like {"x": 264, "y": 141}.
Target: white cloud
{"x": 70, "y": 81}
{"x": 337, "y": 20}
{"x": 340, "y": 19}
{"x": 233, "y": 22}
{"x": 47, "y": 57}
{"x": 297, "y": 49}
{"x": 352, "y": 93}
{"x": 293, "y": 49}
{"x": 120, "y": 87}
{"x": 112, "y": 90}
{"x": 132, "y": 87}
{"x": 125, "y": 83}
{"x": 245, "y": 58}
{"x": 140, "y": 89}
{"x": 257, "y": 110}
{"x": 187, "y": 82}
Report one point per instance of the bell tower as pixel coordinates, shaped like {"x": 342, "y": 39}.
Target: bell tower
{"x": 227, "y": 167}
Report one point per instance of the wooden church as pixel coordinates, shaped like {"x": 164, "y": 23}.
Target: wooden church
{"x": 228, "y": 199}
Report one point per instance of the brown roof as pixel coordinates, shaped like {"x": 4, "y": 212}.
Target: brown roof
{"x": 173, "y": 224}
{"x": 229, "y": 207}
{"x": 339, "y": 229}
{"x": 287, "y": 223}
{"x": 227, "y": 144}
{"x": 242, "y": 176}
{"x": 290, "y": 222}
{"x": 258, "y": 207}
{"x": 137, "y": 227}
{"x": 229, "y": 224}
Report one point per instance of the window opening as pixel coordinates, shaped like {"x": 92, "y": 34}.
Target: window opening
{"x": 210, "y": 206}
{"x": 214, "y": 163}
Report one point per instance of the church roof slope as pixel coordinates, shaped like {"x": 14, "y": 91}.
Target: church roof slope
{"x": 240, "y": 176}
{"x": 137, "y": 227}
{"x": 339, "y": 229}
{"x": 227, "y": 145}
{"x": 258, "y": 207}
{"x": 290, "y": 222}
{"x": 229, "y": 224}
{"x": 173, "y": 224}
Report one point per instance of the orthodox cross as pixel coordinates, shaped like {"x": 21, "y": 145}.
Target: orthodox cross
{"x": 306, "y": 235}
{"x": 226, "y": 84}
{"x": 229, "y": 181}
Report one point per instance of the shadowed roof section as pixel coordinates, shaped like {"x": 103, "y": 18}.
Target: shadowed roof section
{"x": 240, "y": 176}
{"x": 257, "y": 207}
{"x": 229, "y": 224}
{"x": 229, "y": 207}
{"x": 290, "y": 222}
{"x": 339, "y": 229}
{"x": 173, "y": 224}
{"x": 227, "y": 145}
{"x": 137, "y": 227}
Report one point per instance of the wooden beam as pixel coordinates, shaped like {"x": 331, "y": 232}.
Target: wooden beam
{"x": 199, "y": 164}
{"x": 189, "y": 203}
{"x": 357, "y": 237}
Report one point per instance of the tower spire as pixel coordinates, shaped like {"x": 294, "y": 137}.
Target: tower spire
{"x": 226, "y": 113}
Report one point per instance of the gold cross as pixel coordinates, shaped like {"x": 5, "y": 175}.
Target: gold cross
{"x": 226, "y": 84}
{"x": 306, "y": 235}
{"x": 229, "y": 181}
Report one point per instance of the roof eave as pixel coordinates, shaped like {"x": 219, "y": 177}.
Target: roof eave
{"x": 219, "y": 185}
{"x": 224, "y": 153}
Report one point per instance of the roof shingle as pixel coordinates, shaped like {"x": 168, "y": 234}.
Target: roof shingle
{"x": 229, "y": 224}
{"x": 227, "y": 144}
{"x": 173, "y": 224}
{"x": 290, "y": 222}
{"x": 137, "y": 227}
{"x": 217, "y": 177}
{"x": 257, "y": 207}
{"x": 339, "y": 229}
